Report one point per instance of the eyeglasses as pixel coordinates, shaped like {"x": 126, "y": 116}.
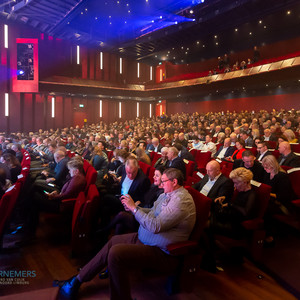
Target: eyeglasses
{"x": 163, "y": 181}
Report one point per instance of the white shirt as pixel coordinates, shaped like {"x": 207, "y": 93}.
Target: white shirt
{"x": 210, "y": 147}
{"x": 261, "y": 156}
{"x": 209, "y": 184}
{"x": 198, "y": 146}
{"x": 126, "y": 185}
{"x": 222, "y": 153}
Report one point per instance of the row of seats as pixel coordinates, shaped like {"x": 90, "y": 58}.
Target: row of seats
{"x": 10, "y": 198}
{"x": 84, "y": 217}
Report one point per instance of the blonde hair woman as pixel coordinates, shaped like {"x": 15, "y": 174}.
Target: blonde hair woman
{"x": 282, "y": 193}
{"x": 229, "y": 216}
{"x": 290, "y": 135}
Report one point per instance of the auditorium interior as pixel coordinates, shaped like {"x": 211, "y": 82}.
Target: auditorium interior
{"x": 146, "y": 69}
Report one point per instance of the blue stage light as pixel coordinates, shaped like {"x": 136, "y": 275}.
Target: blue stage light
{"x": 20, "y": 72}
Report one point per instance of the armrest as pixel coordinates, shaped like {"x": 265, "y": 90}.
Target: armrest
{"x": 181, "y": 248}
{"x": 296, "y": 203}
{"x": 254, "y": 224}
{"x": 67, "y": 204}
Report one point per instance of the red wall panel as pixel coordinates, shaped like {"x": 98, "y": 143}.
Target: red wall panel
{"x": 68, "y": 112}
{"x": 59, "y": 118}
{"x": 39, "y": 112}
{"x": 286, "y": 101}
{"x": 27, "y": 114}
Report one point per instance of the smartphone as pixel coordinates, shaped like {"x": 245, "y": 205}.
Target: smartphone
{"x": 47, "y": 193}
{"x": 51, "y": 184}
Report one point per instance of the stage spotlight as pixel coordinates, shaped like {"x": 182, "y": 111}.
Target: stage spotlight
{"x": 20, "y": 72}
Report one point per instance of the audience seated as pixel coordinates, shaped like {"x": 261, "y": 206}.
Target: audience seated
{"x": 4, "y": 182}
{"x": 237, "y": 154}
{"x": 50, "y": 198}
{"x": 163, "y": 160}
{"x": 170, "y": 220}
{"x": 132, "y": 182}
{"x": 155, "y": 146}
{"x": 262, "y": 151}
{"x": 174, "y": 161}
{"x": 287, "y": 157}
{"x": 142, "y": 156}
{"x": 249, "y": 162}
{"x": 225, "y": 151}
{"x": 124, "y": 221}
{"x": 13, "y": 164}
{"x": 228, "y": 216}
{"x": 214, "y": 184}
{"x": 282, "y": 193}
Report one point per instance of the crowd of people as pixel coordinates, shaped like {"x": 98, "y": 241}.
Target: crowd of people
{"x": 224, "y": 64}
{"x": 161, "y": 213}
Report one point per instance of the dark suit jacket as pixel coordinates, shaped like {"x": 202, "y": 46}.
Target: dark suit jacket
{"x": 267, "y": 153}
{"x": 222, "y": 187}
{"x": 291, "y": 160}
{"x": 151, "y": 147}
{"x": 185, "y": 154}
{"x": 177, "y": 163}
{"x": 60, "y": 172}
{"x": 257, "y": 169}
{"x": 139, "y": 186}
{"x": 228, "y": 152}
{"x": 249, "y": 142}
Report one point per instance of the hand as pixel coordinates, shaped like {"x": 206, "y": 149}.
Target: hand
{"x": 224, "y": 205}
{"x": 54, "y": 193}
{"x": 51, "y": 179}
{"x": 220, "y": 199}
{"x": 128, "y": 202}
{"x": 45, "y": 173}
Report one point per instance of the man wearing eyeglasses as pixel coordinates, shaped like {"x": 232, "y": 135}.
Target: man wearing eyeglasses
{"x": 170, "y": 220}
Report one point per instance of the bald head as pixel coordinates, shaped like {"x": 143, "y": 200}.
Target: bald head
{"x": 213, "y": 169}
{"x": 284, "y": 148}
{"x": 227, "y": 142}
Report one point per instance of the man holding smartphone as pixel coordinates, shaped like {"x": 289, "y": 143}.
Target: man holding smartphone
{"x": 170, "y": 220}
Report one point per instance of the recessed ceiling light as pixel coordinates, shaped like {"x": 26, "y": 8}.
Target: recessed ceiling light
{"x": 216, "y": 36}
{"x": 288, "y": 12}
{"x": 198, "y": 42}
{"x": 250, "y": 33}
{"x": 191, "y": 11}
{"x": 260, "y": 21}
{"x": 236, "y": 30}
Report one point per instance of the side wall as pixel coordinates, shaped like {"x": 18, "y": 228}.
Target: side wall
{"x": 286, "y": 101}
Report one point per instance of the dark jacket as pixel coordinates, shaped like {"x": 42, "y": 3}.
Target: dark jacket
{"x": 151, "y": 147}
{"x": 257, "y": 169}
{"x": 267, "y": 153}
{"x": 291, "y": 160}
{"x": 139, "y": 186}
{"x": 222, "y": 187}
{"x": 228, "y": 152}
{"x": 177, "y": 163}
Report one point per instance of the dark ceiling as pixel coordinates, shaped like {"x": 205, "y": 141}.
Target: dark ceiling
{"x": 182, "y": 31}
